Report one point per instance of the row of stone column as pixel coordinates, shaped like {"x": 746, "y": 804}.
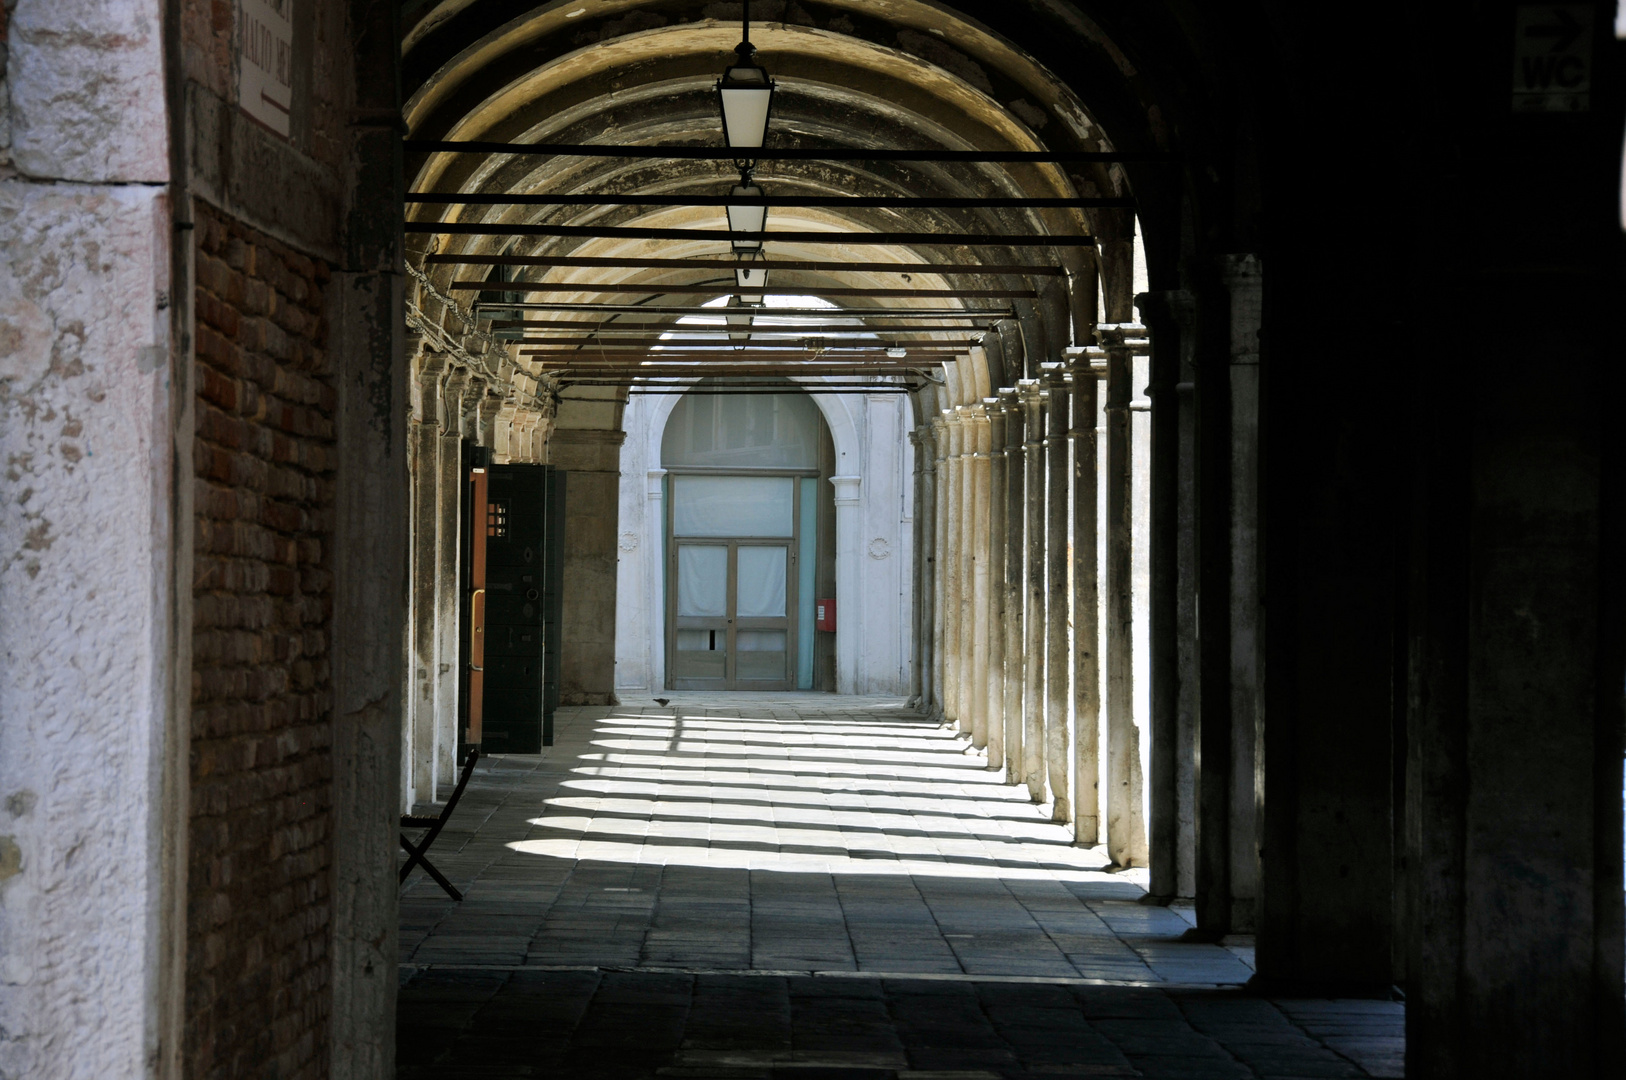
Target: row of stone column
{"x": 1010, "y": 629}
{"x": 451, "y": 405}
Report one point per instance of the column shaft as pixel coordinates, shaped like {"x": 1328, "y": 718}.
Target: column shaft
{"x": 964, "y": 584}
{"x": 1086, "y": 610}
{"x": 1168, "y": 316}
{"x": 1033, "y": 615}
{"x": 939, "y": 626}
{"x": 1010, "y": 406}
{"x": 978, "y": 547}
{"x": 926, "y": 615}
{"x": 1058, "y": 601}
{"x": 997, "y": 496}
{"x": 1126, "y": 835}
{"x": 950, "y": 569}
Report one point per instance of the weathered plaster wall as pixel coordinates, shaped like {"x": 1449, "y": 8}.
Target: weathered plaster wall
{"x": 258, "y": 890}
{"x": 85, "y": 686}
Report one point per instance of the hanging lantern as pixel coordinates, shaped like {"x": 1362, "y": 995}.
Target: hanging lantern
{"x": 751, "y": 277}
{"x": 739, "y": 315}
{"x": 744, "y": 97}
{"x": 749, "y": 215}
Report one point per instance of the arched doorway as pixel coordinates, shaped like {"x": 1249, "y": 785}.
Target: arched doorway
{"x": 740, "y": 539}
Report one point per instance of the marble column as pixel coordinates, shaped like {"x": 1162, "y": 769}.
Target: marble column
{"x": 423, "y": 438}
{"x": 997, "y": 482}
{"x": 1033, "y": 612}
{"x": 965, "y": 575}
{"x": 1172, "y": 534}
{"x": 1086, "y": 605}
{"x": 1058, "y": 601}
{"x": 939, "y": 625}
{"x": 1010, "y": 407}
{"x": 977, "y": 522}
{"x": 953, "y": 597}
{"x": 926, "y": 608}
{"x": 1126, "y": 827}
{"x": 1246, "y": 696}
{"x": 461, "y": 390}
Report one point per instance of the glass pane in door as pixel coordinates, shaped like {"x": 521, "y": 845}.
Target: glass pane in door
{"x": 761, "y": 582}
{"x": 702, "y": 581}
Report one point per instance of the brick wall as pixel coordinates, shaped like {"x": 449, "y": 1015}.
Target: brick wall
{"x": 258, "y": 893}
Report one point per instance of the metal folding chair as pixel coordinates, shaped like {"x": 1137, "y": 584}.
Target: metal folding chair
{"x": 418, "y": 854}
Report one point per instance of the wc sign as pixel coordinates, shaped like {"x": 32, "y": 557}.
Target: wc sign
{"x": 265, "y": 61}
{"x": 1552, "y": 58}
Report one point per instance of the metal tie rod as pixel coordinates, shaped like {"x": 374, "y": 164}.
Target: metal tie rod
{"x": 721, "y": 339}
{"x": 764, "y": 153}
{"x": 626, "y": 232}
{"x": 758, "y": 329}
{"x": 787, "y": 202}
{"x": 771, "y": 313}
{"x": 712, "y": 290}
{"x": 734, "y": 264}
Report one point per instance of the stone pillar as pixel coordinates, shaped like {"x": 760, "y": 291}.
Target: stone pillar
{"x": 423, "y": 449}
{"x": 1033, "y": 612}
{"x": 1126, "y": 832}
{"x": 965, "y": 577}
{"x": 592, "y": 457}
{"x": 1086, "y": 605}
{"x": 926, "y": 556}
{"x": 997, "y": 498}
{"x": 981, "y": 627}
{"x": 849, "y": 506}
{"x": 1245, "y": 657}
{"x": 449, "y": 480}
{"x": 953, "y": 596}
{"x": 1058, "y": 601}
{"x": 1169, "y": 316}
{"x": 1016, "y": 590}
{"x": 940, "y": 563}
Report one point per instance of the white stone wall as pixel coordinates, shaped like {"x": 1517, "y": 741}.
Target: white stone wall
{"x": 88, "y": 842}
{"x": 874, "y": 551}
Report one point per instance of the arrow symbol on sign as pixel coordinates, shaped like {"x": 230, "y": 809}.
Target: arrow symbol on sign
{"x": 1564, "y": 33}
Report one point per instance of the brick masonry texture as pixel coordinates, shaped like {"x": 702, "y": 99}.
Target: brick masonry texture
{"x": 258, "y": 893}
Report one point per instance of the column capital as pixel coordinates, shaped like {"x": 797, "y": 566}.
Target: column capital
{"x": 1121, "y": 335}
{"x": 847, "y": 489}
{"x": 654, "y": 488}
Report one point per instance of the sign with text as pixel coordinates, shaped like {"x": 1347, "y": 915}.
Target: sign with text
{"x": 265, "y": 61}
{"x": 1552, "y": 58}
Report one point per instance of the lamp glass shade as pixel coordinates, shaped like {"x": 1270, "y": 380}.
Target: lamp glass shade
{"x": 746, "y": 217}
{"x": 751, "y": 277}
{"x": 739, "y": 315}
{"x": 745, "y": 96}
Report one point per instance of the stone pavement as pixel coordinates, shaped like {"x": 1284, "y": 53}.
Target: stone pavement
{"x": 810, "y": 886}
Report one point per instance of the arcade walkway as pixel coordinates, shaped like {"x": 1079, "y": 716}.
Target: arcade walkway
{"x": 803, "y": 885}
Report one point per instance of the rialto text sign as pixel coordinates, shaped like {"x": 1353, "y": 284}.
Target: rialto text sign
{"x": 265, "y": 61}
{"x": 1552, "y": 58}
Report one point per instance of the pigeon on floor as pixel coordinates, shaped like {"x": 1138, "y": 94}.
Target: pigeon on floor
{"x": 663, "y": 701}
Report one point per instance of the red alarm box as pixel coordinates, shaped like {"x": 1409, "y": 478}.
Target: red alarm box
{"x": 824, "y": 615}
